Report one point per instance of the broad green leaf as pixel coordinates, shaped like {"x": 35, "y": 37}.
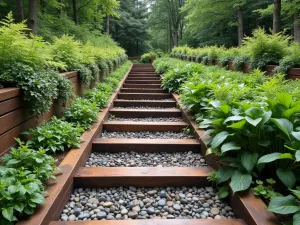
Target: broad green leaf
{"x": 12, "y": 189}
{"x": 225, "y": 109}
{"x": 284, "y": 125}
{"x": 284, "y": 99}
{"x": 219, "y": 138}
{"x": 215, "y": 104}
{"x": 269, "y": 158}
{"x": 283, "y": 205}
{"x": 224, "y": 174}
{"x": 12, "y": 162}
{"x": 296, "y": 218}
{"x": 266, "y": 117}
{"x": 287, "y": 177}
{"x": 297, "y": 155}
{"x": 230, "y": 146}
{"x": 238, "y": 125}
{"x": 223, "y": 192}
{"x": 253, "y": 122}
{"x": 296, "y": 192}
{"x": 249, "y": 160}
{"x": 37, "y": 198}
{"x": 296, "y": 135}
{"x": 19, "y": 206}
{"x": 254, "y": 112}
{"x": 8, "y": 213}
{"x": 286, "y": 156}
{"x": 240, "y": 181}
{"x": 234, "y": 118}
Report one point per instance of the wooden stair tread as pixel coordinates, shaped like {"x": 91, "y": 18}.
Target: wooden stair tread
{"x": 146, "y": 141}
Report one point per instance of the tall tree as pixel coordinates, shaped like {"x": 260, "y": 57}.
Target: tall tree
{"x": 32, "y": 15}
{"x": 109, "y": 8}
{"x": 276, "y": 16}
{"x": 20, "y": 10}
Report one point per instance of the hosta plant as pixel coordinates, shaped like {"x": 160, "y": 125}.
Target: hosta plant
{"x": 56, "y": 135}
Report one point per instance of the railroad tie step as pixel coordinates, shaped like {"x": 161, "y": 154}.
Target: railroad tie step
{"x": 116, "y": 126}
{"x": 145, "y": 145}
{"x": 143, "y": 113}
{"x": 145, "y": 103}
{"x": 140, "y": 96}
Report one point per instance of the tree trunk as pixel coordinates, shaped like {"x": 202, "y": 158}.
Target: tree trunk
{"x": 276, "y": 16}
{"x": 32, "y": 15}
{"x": 296, "y": 27}
{"x": 43, "y": 4}
{"x": 241, "y": 25}
{"x": 175, "y": 38}
{"x": 107, "y": 24}
{"x": 75, "y": 12}
{"x": 20, "y": 10}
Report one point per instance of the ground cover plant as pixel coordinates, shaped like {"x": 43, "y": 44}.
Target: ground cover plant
{"x": 253, "y": 129}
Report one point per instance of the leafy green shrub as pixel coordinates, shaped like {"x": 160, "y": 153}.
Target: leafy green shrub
{"x": 39, "y": 87}
{"x": 56, "y": 135}
{"x": 147, "y": 57}
{"x": 174, "y": 78}
{"x": 110, "y": 66}
{"x": 65, "y": 89}
{"x": 82, "y": 112}
{"x": 266, "y": 48}
{"x": 105, "y": 88}
{"x": 113, "y": 82}
{"x": 21, "y": 177}
{"x": 38, "y": 162}
{"x": 97, "y": 96}
{"x": 292, "y": 59}
{"x": 21, "y": 192}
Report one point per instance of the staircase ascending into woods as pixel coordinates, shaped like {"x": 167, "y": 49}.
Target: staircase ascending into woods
{"x": 142, "y": 85}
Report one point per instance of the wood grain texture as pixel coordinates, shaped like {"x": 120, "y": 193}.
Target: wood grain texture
{"x": 146, "y": 145}
{"x": 156, "y": 103}
{"x": 141, "y": 85}
{"x": 7, "y": 93}
{"x": 142, "y": 82}
{"x": 112, "y": 126}
{"x": 142, "y": 113}
{"x": 155, "y": 222}
{"x": 11, "y": 105}
{"x": 139, "y": 96}
{"x": 137, "y": 90}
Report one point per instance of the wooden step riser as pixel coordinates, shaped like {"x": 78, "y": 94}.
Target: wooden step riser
{"x": 100, "y": 177}
{"x": 137, "y": 77}
{"x": 155, "y": 222}
{"x": 144, "y": 114}
{"x": 142, "y": 82}
{"x": 141, "y": 78}
{"x": 141, "y": 86}
{"x": 145, "y": 145}
{"x": 139, "y": 96}
{"x": 144, "y": 126}
{"x": 163, "y": 104}
{"x": 136, "y": 90}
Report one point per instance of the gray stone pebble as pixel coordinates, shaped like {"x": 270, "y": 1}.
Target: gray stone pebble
{"x": 147, "y": 135}
{"x": 124, "y": 203}
{"x": 141, "y": 159}
{"x": 148, "y": 119}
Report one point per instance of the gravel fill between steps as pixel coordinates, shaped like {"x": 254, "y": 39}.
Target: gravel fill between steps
{"x": 137, "y": 159}
{"x": 147, "y": 135}
{"x": 148, "y": 119}
{"x": 145, "y": 203}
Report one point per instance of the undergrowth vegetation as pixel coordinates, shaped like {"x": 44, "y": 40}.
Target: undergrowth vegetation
{"x": 33, "y": 65}
{"x": 260, "y": 50}
{"x": 253, "y": 125}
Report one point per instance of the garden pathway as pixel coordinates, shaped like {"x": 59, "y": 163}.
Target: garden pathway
{"x": 140, "y": 97}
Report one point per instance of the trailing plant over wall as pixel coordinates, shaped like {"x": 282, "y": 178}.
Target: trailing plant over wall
{"x": 32, "y": 64}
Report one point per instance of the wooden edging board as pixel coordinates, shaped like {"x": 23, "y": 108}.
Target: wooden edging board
{"x": 63, "y": 185}
{"x": 245, "y": 205}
